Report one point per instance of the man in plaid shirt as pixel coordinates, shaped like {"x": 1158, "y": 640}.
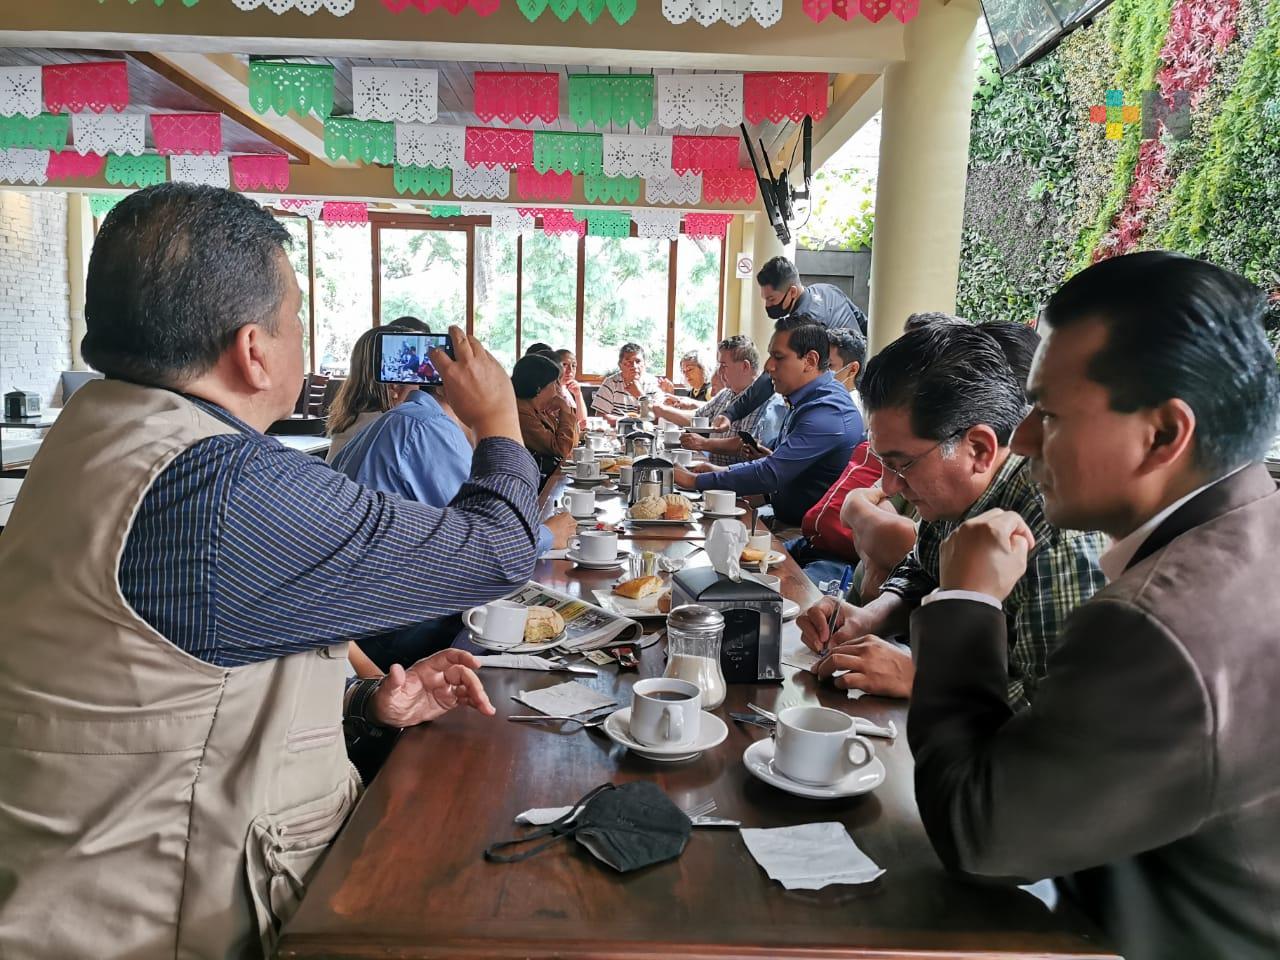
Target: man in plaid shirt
{"x": 943, "y": 403}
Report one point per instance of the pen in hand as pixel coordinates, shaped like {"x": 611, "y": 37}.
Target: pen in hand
{"x": 845, "y": 580}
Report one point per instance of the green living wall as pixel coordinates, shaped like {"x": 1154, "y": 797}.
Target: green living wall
{"x": 1048, "y": 193}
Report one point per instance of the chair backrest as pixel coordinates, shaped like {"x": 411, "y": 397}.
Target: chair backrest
{"x": 316, "y": 384}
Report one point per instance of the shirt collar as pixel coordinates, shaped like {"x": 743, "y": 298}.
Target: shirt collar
{"x": 809, "y": 389}
{"x": 1116, "y": 558}
{"x": 222, "y": 414}
{"x": 995, "y": 489}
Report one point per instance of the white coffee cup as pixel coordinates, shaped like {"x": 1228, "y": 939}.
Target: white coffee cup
{"x": 671, "y": 437}
{"x": 682, "y": 457}
{"x": 702, "y": 421}
{"x": 624, "y": 476}
{"x": 580, "y": 503}
{"x": 597, "y": 546}
{"x": 588, "y": 470}
{"x": 500, "y": 621}
{"x": 816, "y": 745}
{"x": 768, "y": 580}
{"x": 762, "y": 542}
{"x": 583, "y": 454}
{"x": 719, "y": 501}
{"x": 665, "y": 712}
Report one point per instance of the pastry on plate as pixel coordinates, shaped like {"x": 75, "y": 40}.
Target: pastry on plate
{"x": 543, "y": 624}
{"x": 650, "y": 508}
{"x": 679, "y": 507}
{"x": 750, "y": 555}
{"x": 639, "y": 587}
{"x": 664, "y": 603}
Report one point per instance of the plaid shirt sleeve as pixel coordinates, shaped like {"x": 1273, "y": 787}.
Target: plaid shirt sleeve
{"x": 911, "y": 579}
{"x": 1059, "y": 578}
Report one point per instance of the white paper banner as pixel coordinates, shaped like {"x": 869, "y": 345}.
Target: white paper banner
{"x": 210, "y": 171}
{"x": 509, "y": 220}
{"x": 429, "y": 145}
{"x": 476, "y": 209}
{"x": 659, "y": 224}
{"x": 733, "y": 12}
{"x": 674, "y": 188}
{"x": 21, "y": 165}
{"x": 339, "y": 8}
{"x": 390, "y": 94}
{"x": 483, "y": 182}
{"x": 311, "y": 209}
{"x": 636, "y": 156}
{"x": 711, "y": 100}
{"x": 21, "y": 91}
{"x": 103, "y": 133}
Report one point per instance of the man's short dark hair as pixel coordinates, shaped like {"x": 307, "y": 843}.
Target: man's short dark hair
{"x": 1179, "y": 327}
{"x": 176, "y": 270}
{"x": 1019, "y": 343}
{"x": 849, "y": 344}
{"x": 949, "y": 377}
{"x": 630, "y": 348}
{"x": 805, "y": 335}
{"x": 407, "y": 324}
{"x": 539, "y": 347}
{"x": 778, "y": 273}
{"x": 742, "y": 347}
{"x": 918, "y": 320}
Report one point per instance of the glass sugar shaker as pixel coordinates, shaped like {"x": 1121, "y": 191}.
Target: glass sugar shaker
{"x": 694, "y": 633}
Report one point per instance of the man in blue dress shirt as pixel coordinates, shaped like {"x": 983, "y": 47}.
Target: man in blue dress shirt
{"x": 818, "y": 435}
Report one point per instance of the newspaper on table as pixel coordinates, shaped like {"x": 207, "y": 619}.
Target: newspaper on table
{"x": 586, "y": 626}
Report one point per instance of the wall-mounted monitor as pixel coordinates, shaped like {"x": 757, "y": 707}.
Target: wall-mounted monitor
{"x": 1023, "y": 31}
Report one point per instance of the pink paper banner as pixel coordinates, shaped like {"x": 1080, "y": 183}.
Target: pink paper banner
{"x": 729, "y": 186}
{"x": 75, "y": 87}
{"x": 706, "y": 225}
{"x": 873, "y": 10}
{"x": 703, "y": 153}
{"x": 482, "y": 7}
{"x": 68, "y": 164}
{"x": 817, "y": 10}
{"x": 562, "y": 222}
{"x": 532, "y": 211}
{"x": 268, "y": 171}
{"x": 187, "y": 133}
{"x": 532, "y": 185}
{"x": 517, "y": 96}
{"x": 495, "y": 147}
{"x": 779, "y": 96}
{"x": 345, "y": 213}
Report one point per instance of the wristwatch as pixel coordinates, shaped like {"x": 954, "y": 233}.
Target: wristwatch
{"x": 356, "y": 722}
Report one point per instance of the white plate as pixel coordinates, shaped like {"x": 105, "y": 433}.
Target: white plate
{"x": 591, "y": 482}
{"x": 758, "y": 759}
{"x": 711, "y": 733}
{"x": 694, "y": 517}
{"x": 775, "y": 558}
{"x": 597, "y": 564}
{"x": 737, "y": 512}
{"x": 644, "y": 608}
{"x": 700, "y": 431}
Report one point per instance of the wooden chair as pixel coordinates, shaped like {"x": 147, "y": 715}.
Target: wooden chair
{"x": 315, "y": 392}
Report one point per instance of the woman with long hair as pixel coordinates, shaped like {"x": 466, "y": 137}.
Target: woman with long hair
{"x": 362, "y": 399}
{"x": 570, "y": 389}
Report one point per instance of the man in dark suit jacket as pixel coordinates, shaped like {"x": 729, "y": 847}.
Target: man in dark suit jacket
{"x": 1146, "y": 774}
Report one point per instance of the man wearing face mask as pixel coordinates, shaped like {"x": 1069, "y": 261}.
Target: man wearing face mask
{"x": 785, "y": 296}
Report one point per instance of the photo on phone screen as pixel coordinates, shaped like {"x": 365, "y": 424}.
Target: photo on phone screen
{"x": 406, "y": 357}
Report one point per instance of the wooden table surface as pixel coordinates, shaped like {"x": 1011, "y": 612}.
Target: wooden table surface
{"x": 406, "y": 878}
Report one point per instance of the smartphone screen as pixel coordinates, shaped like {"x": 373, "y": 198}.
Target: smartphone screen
{"x": 406, "y": 357}
{"x": 748, "y": 439}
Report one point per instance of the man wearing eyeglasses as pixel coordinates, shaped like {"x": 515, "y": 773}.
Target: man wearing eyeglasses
{"x": 942, "y": 404}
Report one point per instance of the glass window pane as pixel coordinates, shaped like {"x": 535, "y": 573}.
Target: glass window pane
{"x": 697, "y": 298}
{"x": 344, "y": 292}
{"x": 300, "y": 259}
{"x": 626, "y": 301}
{"x": 495, "y": 281}
{"x": 549, "y": 298}
{"x": 424, "y": 274}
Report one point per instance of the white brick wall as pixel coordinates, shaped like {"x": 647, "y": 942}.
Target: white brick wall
{"x": 35, "y": 323}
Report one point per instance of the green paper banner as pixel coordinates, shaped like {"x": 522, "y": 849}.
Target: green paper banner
{"x": 100, "y": 204}
{"x": 346, "y": 138}
{"x": 575, "y": 152}
{"x": 590, "y": 10}
{"x": 141, "y": 171}
{"x": 607, "y": 223}
{"x": 427, "y": 180}
{"x": 602, "y": 189}
{"x": 300, "y": 88}
{"x": 601, "y": 99}
{"x": 44, "y": 131}
{"x": 444, "y": 210}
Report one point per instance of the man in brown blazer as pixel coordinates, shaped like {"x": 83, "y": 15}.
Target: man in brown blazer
{"x": 1146, "y": 775}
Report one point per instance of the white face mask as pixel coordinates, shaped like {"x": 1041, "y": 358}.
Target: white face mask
{"x": 840, "y": 373}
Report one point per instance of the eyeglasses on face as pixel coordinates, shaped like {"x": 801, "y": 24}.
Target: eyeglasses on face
{"x": 901, "y": 471}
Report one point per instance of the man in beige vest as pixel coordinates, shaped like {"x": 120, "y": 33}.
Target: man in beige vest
{"x": 179, "y": 590}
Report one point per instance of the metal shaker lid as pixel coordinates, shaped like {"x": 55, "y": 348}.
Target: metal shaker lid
{"x": 695, "y": 616}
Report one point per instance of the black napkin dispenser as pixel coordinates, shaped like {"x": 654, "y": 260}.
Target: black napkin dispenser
{"x": 21, "y": 405}
{"x": 751, "y": 649}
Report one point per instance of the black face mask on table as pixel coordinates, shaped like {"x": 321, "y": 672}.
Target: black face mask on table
{"x": 628, "y": 827}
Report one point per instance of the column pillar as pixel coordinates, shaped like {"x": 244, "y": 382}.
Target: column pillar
{"x": 924, "y": 156}
{"x": 79, "y": 245}
{"x": 765, "y": 246}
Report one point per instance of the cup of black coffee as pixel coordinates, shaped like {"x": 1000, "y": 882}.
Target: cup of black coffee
{"x": 665, "y": 712}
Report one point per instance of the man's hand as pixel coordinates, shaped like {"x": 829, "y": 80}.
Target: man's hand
{"x": 859, "y": 502}
{"x": 987, "y": 554}
{"x": 479, "y": 389}
{"x": 562, "y": 527}
{"x": 703, "y": 466}
{"x": 684, "y": 479}
{"x": 851, "y": 622}
{"x": 431, "y": 687}
{"x": 875, "y": 666}
{"x": 691, "y": 441}
{"x": 721, "y": 422}
{"x": 666, "y": 386}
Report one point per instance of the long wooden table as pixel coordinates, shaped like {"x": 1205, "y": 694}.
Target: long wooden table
{"x": 407, "y": 879}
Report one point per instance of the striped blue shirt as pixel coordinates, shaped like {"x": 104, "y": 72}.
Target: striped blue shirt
{"x": 244, "y": 550}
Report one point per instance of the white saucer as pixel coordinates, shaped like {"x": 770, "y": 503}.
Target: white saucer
{"x": 597, "y": 564}
{"x": 588, "y": 517}
{"x": 521, "y": 647}
{"x": 711, "y": 733}
{"x": 758, "y": 759}
{"x": 701, "y": 431}
{"x": 737, "y": 512}
{"x": 587, "y": 481}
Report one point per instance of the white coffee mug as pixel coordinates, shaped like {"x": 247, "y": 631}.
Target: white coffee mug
{"x": 580, "y": 503}
{"x": 624, "y": 476}
{"x": 583, "y": 454}
{"x": 598, "y": 546}
{"x": 767, "y": 580}
{"x": 682, "y": 457}
{"x": 665, "y": 712}
{"x": 589, "y": 470}
{"x": 719, "y": 501}
{"x": 672, "y": 437}
{"x": 702, "y": 421}
{"x": 816, "y": 745}
{"x": 762, "y": 542}
{"x": 500, "y": 621}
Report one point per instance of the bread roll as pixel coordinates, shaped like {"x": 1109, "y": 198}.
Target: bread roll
{"x": 639, "y": 587}
{"x": 650, "y": 508}
{"x": 679, "y": 507}
{"x": 543, "y": 624}
{"x": 752, "y": 556}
